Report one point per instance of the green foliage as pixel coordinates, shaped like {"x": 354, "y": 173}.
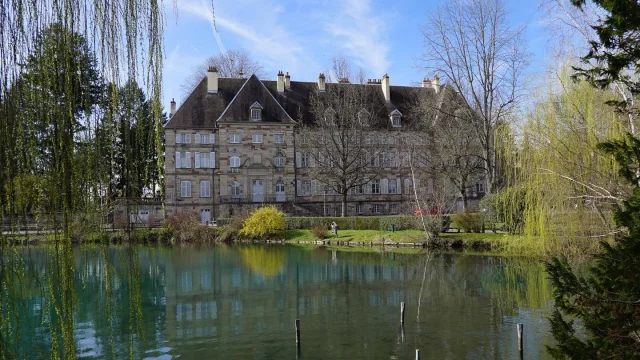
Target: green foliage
{"x": 467, "y": 221}
{"x": 264, "y": 222}
{"x": 605, "y": 301}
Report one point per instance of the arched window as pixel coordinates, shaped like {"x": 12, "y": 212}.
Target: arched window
{"x": 280, "y": 186}
{"x": 234, "y": 160}
{"x": 280, "y": 160}
{"x": 235, "y": 189}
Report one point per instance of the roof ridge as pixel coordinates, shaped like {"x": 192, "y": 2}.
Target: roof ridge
{"x": 276, "y": 100}
{"x": 234, "y": 98}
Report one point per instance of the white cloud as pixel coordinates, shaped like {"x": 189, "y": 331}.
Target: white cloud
{"x": 362, "y": 34}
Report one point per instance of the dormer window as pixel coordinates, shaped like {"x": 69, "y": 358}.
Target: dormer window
{"x": 256, "y": 111}
{"x": 396, "y": 118}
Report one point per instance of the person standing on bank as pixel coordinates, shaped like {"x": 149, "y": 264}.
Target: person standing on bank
{"x": 334, "y": 228}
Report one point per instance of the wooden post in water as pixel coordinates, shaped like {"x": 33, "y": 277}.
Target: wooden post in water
{"x": 417, "y": 354}
{"x": 402, "y": 312}
{"x": 298, "y": 333}
{"x": 520, "y": 328}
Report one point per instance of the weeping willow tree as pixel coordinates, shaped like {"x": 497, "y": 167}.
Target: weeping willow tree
{"x": 560, "y": 186}
{"x": 58, "y": 124}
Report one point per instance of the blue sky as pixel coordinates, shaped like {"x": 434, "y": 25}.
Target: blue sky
{"x": 302, "y": 36}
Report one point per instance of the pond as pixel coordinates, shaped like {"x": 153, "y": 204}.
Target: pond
{"x": 242, "y": 302}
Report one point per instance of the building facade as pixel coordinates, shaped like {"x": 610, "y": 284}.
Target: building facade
{"x": 234, "y": 144}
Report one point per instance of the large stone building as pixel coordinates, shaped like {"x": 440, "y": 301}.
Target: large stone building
{"x": 232, "y": 145}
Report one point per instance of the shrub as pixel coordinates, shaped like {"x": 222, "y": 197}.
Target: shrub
{"x": 264, "y": 222}
{"x": 468, "y": 221}
{"x": 320, "y": 232}
{"x": 401, "y": 222}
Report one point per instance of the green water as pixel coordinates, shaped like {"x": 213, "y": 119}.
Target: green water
{"x": 241, "y": 303}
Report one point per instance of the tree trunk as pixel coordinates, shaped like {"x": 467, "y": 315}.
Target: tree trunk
{"x": 344, "y": 203}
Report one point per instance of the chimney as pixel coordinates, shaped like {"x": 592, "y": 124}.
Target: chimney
{"x": 173, "y": 107}
{"x": 280, "y": 82}
{"x": 321, "y": 83}
{"x": 435, "y": 83}
{"x": 212, "y": 80}
{"x": 426, "y": 83}
{"x": 386, "y": 90}
{"x": 241, "y": 74}
{"x": 287, "y": 81}
{"x": 344, "y": 81}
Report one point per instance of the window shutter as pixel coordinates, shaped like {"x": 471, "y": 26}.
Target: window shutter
{"x": 178, "y": 160}
{"x": 197, "y": 159}
{"x": 298, "y": 188}
{"x": 367, "y": 188}
{"x": 430, "y": 186}
{"x": 187, "y": 157}
{"x": 212, "y": 138}
{"x": 197, "y": 139}
{"x": 178, "y": 140}
{"x": 314, "y": 187}
{"x": 298, "y": 160}
{"x": 187, "y": 139}
{"x": 398, "y": 186}
{"x": 312, "y": 160}
{"x": 212, "y": 160}
{"x": 384, "y": 184}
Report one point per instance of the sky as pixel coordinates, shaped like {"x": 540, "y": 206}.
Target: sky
{"x": 302, "y": 36}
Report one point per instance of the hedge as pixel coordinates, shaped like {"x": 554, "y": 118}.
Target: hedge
{"x": 401, "y": 222}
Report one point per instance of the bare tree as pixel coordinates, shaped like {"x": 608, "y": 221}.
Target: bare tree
{"x": 337, "y": 139}
{"x": 342, "y": 70}
{"x": 470, "y": 44}
{"x": 229, "y": 64}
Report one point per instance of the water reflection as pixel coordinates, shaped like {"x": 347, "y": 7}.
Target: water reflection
{"x": 241, "y": 303}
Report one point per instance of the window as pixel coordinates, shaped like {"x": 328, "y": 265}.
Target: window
{"x": 376, "y": 209}
{"x": 202, "y": 160}
{"x": 359, "y": 209}
{"x": 234, "y": 138}
{"x": 305, "y": 160}
{"x": 278, "y": 138}
{"x": 183, "y": 138}
{"x": 405, "y": 159}
{"x": 374, "y": 159}
{"x": 280, "y": 160}
{"x": 393, "y": 187}
{"x": 185, "y": 188}
{"x": 375, "y": 186}
{"x": 183, "y": 160}
{"x": 479, "y": 188}
{"x": 306, "y": 187}
{"x": 388, "y": 159}
{"x": 205, "y": 189}
{"x": 205, "y": 139}
{"x": 256, "y": 114}
{"x": 280, "y": 187}
{"x": 234, "y": 160}
{"x": 256, "y": 138}
{"x": 235, "y": 189}
{"x": 393, "y": 208}
{"x": 395, "y": 121}
{"x": 360, "y": 189}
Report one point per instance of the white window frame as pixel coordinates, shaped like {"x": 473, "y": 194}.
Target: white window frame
{"x": 278, "y": 138}
{"x": 234, "y": 138}
{"x": 236, "y": 189}
{"x": 395, "y": 121}
{"x": 376, "y": 209}
{"x": 256, "y": 114}
{"x": 280, "y": 184}
{"x": 234, "y": 160}
{"x": 257, "y": 138}
{"x": 185, "y": 188}
{"x": 280, "y": 160}
{"x": 479, "y": 187}
{"x": 393, "y": 208}
{"x": 206, "y": 186}
{"x": 375, "y": 186}
{"x": 305, "y": 187}
{"x": 305, "y": 159}
{"x": 395, "y": 186}
{"x": 359, "y": 209}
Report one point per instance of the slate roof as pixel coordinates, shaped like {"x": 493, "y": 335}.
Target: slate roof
{"x": 235, "y": 96}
